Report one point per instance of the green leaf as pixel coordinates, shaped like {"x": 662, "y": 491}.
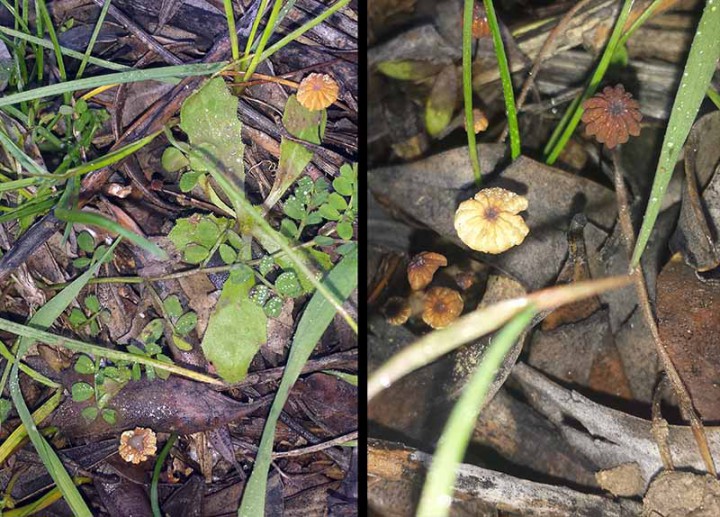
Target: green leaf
{"x": 5, "y": 407}
{"x": 186, "y": 323}
{"x": 287, "y": 284}
{"x": 236, "y": 328}
{"x": 173, "y": 159}
{"x": 77, "y": 317}
{"x": 152, "y": 331}
{"x": 86, "y": 242}
{"x": 273, "y": 307}
{"x": 349, "y": 171}
{"x": 259, "y": 294}
{"x": 288, "y": 228}
{"x": 81, "y": 263}
{"x": 315, "y": 319}
{"x": 194, "y": 254}
{"x": 347, "y": 377}
{"x": 337, "y": 201}
{"x": 92, "y": 303}
{"x": 189, "y": 180}
{"x": 181, "y": 344}
{"x": 152, "y": 348}
{"x": 207, "y": 232}
{"x": 82, "y": 391}
{"x": 173, "y": 307}
{"x": 209, "y": 116}
{"x": 329, "y": 212}
{"x": 294, "y": 157}
{"x": 408, "y": 70}
{"x": 110, "y": 416}
{"x": 89, "y": 413}
{"x": 85, "y": 365}
{"x": 344, "y": 230}
{"x": 343, "y": 185}
{"x": 294, "y": 208}
{"x": 324, "y": 240}
{"x": 442, "y": 101}
{"x": 227, "y": 254}
{"x": 267, "y": 263}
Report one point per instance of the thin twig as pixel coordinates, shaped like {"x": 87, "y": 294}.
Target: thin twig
{"x": 316, "y": 448}
{"x": 679, "y": 388}
{"x": 140, "y": 34}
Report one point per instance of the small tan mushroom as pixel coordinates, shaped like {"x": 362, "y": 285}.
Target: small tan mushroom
{"x": 422, "y": 268}
{"x": 480, "y": 121}
{"x": 137, "y": 445}
{"x": 397, "y": 310}
{"x": 442, "y": 306}
{"x": 489, "y": 222}
{"x": 317, "y": 91}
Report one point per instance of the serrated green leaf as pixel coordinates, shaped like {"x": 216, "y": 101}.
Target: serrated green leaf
{"x": 92, "y": 303}
{"x": 173, "y": 307}
{"x": 85, "y": 242}
{"x": 173, "y": 159}
{"x": 237, "y": 328}
{"x": 294, "y": 208}
{"x": 186, "y": 323}
{"x": 77, "y": 317}
{"x": 81, "y": 391}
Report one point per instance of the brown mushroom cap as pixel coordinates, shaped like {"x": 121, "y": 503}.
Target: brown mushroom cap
{"x": 317, "y": 91}
{"x": 612, "y": 116}
{"x": 489, "y": 222}
{"x": 137, "y": 445}
{"x": 442, "y": 306}
{"x": 422, "y": 268}
{"x": 397, "y": 310}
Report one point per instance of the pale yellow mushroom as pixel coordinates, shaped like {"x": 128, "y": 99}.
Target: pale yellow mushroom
{"x": 490, "y": 223}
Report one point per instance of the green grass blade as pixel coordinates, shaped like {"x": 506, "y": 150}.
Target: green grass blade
{"x": 315, "y": 319}
{"x": 304, "y": 28}
{"x": 151, "y": 74}
{"x": 264, "y": 37}
{"x": 154, "y": 502}
{"x": 16, "y": 438}
{"x": 505, "y": 78}
{"x": 47, "y": 20}
{"x": 714, "y": 96}
{"x": 18, "y": 184}
{"x": 254, "y": 28}
{"x": 699, "y": 70}
{"x": 66, "y": 51}
{"x": 93, "y": 38}
{"x": 230, "y": 15}
{"x": 438, "y": 488}
{"x": 562, "y": 134}
{"x": 27, "y": 163}
{"x": 43, "y": 318}
{"x": 78, "y": 216}
{"x": 467, "y": 44}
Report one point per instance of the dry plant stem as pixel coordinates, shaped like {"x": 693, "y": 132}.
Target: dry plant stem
{"x": 659, "y": 428}
{"x": 544, "y": 52}
{"x": 681, "y": 392}
{"x": 317, "y": 448}
{"x": 140, "y": 34}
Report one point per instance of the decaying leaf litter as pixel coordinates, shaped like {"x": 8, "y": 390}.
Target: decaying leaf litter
{"x": 166, "y": 315}
{"x": 589, "y": 411}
